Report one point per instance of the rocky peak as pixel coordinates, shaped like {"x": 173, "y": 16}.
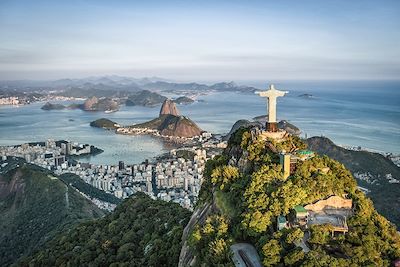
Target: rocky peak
{"x": 169, "y": 108}
{"x": 88, "y": 105}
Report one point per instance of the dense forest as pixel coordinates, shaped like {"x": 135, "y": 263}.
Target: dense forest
{"x": 247, "y": 186}
{"x": 140, "y": 232}
{"x": 34, "y": 207}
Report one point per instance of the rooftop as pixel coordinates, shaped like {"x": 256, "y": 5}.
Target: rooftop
{"x": 299, "y": 209}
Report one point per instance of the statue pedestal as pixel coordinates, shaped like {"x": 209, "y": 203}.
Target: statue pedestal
{"x": 278, "y": 136}
{"x": 272, "y": 127}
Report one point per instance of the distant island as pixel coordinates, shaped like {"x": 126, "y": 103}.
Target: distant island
{"x": 91, "y": 104}
{"x": 145, "y": 98}
{"x": 306, "y": 96}
{"x": 183, "y": 100}
{"x": 100, "y": 104}
{"x": 109, "y": 104}
{"x": 50, "y": 106}
{"x": 105, "y": 124}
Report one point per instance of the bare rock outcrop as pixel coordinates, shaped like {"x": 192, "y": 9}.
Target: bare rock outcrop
{"x": 90, "y": 103}
{"x": 169, "y": 108}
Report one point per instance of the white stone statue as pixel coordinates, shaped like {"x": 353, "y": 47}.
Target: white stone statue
{"x": 272, "y": 94}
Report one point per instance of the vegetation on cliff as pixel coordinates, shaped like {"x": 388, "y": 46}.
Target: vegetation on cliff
{"x": 248, "y": 188}
{"x": 140, "y": 232}
{"x": 34, "y": 207}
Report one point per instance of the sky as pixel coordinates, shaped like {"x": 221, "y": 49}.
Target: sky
{"x": 201, "y": 40}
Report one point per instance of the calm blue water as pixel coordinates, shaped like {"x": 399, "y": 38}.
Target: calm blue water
{"x": 350, "y": 113}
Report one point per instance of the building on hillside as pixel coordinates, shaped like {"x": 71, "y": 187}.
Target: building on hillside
{"x": 282, "y": 222}
{"x": 333, "y": 211}
{"x": 289, "y": 164}
{"x": 305, "y": 154}
{"x": 301, "y": 214}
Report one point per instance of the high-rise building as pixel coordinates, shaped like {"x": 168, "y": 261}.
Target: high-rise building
{"x": 59, "y": 160}
{"x": 121, "y": 165}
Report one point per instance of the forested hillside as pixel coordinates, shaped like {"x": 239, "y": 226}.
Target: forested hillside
{"x": 385, "y": 195}
{"x": 248, "y": 192}
{"x": 140, "y": 232}
{"x": 34, "y": 207}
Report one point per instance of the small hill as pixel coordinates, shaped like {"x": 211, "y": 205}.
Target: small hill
{"x": 100, "y": 104}
{"x": 178, "y": 126}
{"x": 145, "y": 98}
{"x": 104, "y": 123}
{"x": 169, "y": 108}
{"x": 34, "y": 207}
{"x": 140, "y": 232}
{"x": 183, "y": 100}
{"x": 50, "y": 106}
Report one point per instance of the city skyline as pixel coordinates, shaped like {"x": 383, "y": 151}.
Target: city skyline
{"x": 223, "y": 40}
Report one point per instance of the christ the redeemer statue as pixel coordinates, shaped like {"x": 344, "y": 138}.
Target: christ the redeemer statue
{"x": 272, "y": 94}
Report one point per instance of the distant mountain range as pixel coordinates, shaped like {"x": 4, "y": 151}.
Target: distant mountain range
{"x": 118, "y": 83}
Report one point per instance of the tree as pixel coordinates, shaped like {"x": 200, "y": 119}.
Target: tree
{"x": 293, "y": 257}
{"x": 294, "y": 235}
{"x": 320, "y": 234}
{"x": 271, "y": 252}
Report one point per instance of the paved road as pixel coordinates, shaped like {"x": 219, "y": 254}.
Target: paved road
{"x": 245, "y": 255}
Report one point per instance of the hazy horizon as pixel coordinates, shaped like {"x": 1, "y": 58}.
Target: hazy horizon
{"x": 202, "y": 41}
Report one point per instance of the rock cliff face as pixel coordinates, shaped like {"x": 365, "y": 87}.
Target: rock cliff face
{"x": 169, "y": 108}
{"x": 179, "y": 126}
{"x": 170, "y": 123}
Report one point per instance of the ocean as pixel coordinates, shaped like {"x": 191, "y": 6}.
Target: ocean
{"x": 351, "y": 113}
